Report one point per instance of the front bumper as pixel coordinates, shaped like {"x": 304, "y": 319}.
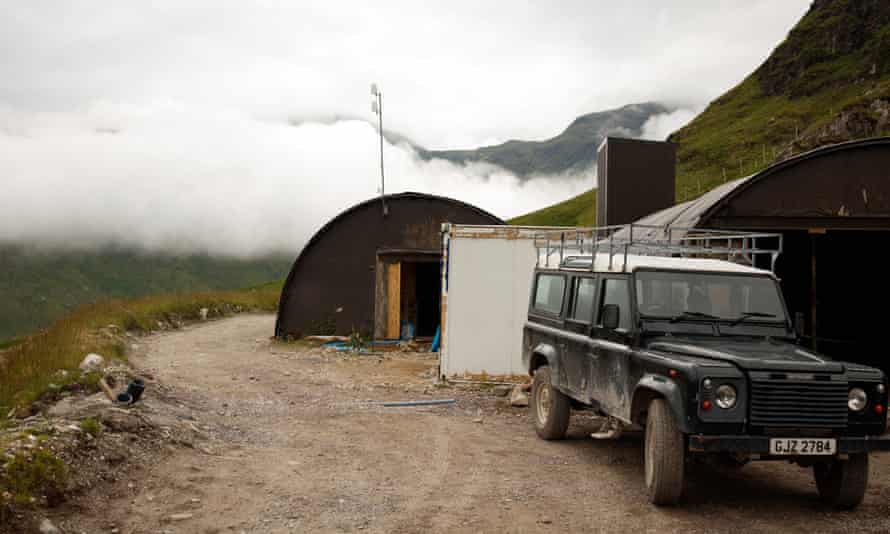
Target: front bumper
{"x": 760, "y": 444}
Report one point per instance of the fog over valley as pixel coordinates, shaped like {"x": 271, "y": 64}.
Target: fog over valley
{"x": 239, "y": 130}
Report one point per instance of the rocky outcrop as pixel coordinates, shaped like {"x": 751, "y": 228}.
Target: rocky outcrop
{"x": 858, "y": 121}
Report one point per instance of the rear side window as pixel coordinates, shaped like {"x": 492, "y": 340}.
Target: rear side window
{"x": 617, "y": 291}
{"x": 582, "y": 304}
{"x": 549, "y": 292}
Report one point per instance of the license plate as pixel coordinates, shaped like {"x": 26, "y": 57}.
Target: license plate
{"x": 802, "y": 446}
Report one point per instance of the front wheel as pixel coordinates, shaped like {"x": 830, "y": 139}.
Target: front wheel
{"x": 550, "y": 408}
{"x": 665, "y": 455}
{"x": 842, "y": 483}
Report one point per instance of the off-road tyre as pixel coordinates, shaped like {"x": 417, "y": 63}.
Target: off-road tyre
{"x": 550, "y": 408}
{"x": 664, "y": 455}
{"x": 842, "y": 483}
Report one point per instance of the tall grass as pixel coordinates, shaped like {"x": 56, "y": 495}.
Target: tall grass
{"x": 28, "y": 367}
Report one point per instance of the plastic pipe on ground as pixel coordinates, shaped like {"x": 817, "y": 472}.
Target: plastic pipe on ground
{"x": 431, "y": 402}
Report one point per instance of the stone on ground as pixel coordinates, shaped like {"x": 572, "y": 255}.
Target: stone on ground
{"x": 518, "y": 397}
{"x": 92, "y": 362}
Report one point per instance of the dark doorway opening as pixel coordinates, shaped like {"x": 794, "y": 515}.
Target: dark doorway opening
{"x": 409, "y": 288}
{"x": 835, "y": 279}
{"x": 429, "y": 290}
{"x": 421, "y": 287}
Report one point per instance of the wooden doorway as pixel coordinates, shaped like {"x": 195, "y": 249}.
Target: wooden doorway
{"x": 408, "y": 294}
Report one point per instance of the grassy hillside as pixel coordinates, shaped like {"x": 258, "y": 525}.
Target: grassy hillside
{"x": 573, "y": 150}
{"x": 29, "y": 369}
{"x": 577, "y": 211}
{"x": 828, "y": 82}
{"x": 37, "y": 287}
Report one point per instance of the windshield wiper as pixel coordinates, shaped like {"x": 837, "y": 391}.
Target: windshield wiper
{"x": 748, "y": 315}
{"x": 693, "y": 314}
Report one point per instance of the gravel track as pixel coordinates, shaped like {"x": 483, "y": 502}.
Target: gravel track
{"x": 293, "y": 442}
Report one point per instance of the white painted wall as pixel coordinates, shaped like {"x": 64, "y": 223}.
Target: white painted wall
{"x": 489, "y": 279}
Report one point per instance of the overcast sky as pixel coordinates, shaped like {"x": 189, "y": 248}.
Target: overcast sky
{"x": 155, "y": 115}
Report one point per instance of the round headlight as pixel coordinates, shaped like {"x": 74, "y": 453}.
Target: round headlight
{"x": 706, "y": 383}
{"x": 857, "y": 399}
{"x": 725, "y": 396}
{"x": 881, "y": 388}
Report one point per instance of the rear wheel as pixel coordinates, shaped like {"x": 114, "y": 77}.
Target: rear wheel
{"x": 842, "y": 483}
{"x": 550, "y": 408}
{"x": 665, "y": 454}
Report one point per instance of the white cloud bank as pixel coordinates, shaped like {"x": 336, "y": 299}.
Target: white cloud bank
{"x": 163, "y": 124}
{"x": 659, "y": 127}
{"x": 169, "y": 177}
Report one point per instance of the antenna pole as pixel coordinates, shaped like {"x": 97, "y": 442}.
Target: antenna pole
{"x": 377, "y": 107}
{"x": 380, "y": 127}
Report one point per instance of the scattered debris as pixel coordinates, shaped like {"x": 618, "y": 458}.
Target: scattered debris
{"x": 518, "y": 397}
{"x": 120, "y": 420}
{"x": 47, "y": 527}
{"x": 326, "y": 338}
{"x": 611, "y": 429}
{"x": 181, "y": 517}
{"x": 478, "y": 418}
{"x": 502, "y": 390}
{"x": 135, "y": 389}
{"x": 92, "y": 362}
{"x": 103, "y": 384}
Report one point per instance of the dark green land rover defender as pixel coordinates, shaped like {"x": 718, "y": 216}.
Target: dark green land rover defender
{"x": 701, "y": 354}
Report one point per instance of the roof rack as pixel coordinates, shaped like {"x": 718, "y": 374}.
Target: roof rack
{"x": 577, "y": 247}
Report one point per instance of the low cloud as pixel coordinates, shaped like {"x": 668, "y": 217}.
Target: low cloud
{"x": 659, "y": 127}
{"x": 179, "y": 178}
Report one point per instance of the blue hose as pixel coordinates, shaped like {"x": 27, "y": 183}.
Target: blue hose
{"x": 436, "y": 340}
{"x": 431, "y": 402}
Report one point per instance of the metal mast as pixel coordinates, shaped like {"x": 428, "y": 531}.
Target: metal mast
{"x": 377, "y": 108}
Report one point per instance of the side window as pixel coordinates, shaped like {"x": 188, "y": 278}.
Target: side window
{"x": 616, "y": 291}
{"x": 582, "y": 303}
{"x": 549, "y": 292}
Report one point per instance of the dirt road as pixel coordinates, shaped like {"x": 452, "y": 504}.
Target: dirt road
{"x": 293, "y": 443}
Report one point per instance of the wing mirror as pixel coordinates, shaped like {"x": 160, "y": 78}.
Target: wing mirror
{"x": 611, "y": 314}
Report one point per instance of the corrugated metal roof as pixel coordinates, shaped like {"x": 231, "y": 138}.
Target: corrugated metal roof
{"x": 674, "y": 223}
{"x": 695, "y": 213}
{"x": 684, "y": 215}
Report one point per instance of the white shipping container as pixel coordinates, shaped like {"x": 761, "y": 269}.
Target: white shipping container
{"x": 486, "y": 278}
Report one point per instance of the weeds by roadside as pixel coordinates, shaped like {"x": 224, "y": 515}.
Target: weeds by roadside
{"x": 31, "y": 475}
{"x": 91, "y": 427}
{"x": 31, "y": 367}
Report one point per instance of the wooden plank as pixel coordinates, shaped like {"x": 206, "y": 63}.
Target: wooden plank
{"x": 393, "y": 300}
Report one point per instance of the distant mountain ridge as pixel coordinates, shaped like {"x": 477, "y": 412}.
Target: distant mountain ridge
{"x": 573, "y": 150}
{"x": 827, "y": 82}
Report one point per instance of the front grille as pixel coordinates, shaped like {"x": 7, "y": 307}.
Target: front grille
{"x": 798, "y": 403}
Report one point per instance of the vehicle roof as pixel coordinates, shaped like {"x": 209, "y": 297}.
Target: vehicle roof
{"x": 636, "y": 262}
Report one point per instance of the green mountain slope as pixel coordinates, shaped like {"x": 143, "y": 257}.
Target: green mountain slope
{"x": 573, "y": 150}
{"x": 576, "y": 211}
{"x": 828, "y": 82}
{"x": 37, "y": 287}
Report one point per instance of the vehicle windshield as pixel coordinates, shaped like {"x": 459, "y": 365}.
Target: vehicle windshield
{"x": 694, "y": 296}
